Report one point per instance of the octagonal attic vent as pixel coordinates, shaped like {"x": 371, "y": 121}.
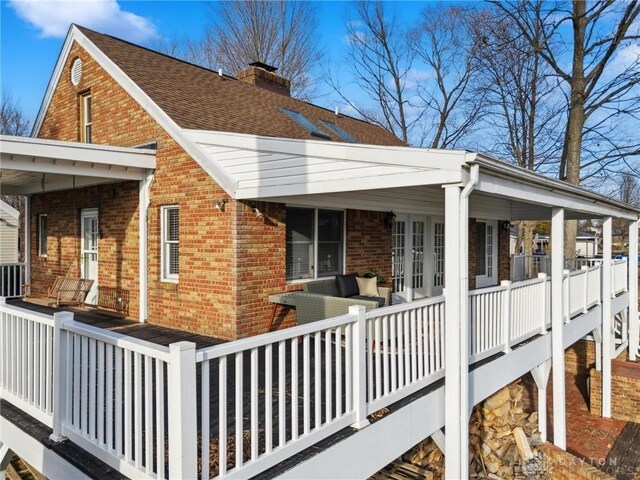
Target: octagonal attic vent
{"x": 76, "y": 72}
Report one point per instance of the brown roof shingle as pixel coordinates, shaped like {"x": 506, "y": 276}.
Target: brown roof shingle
{"x": 198, "y": 98}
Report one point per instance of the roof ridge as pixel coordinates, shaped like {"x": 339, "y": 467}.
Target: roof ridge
{"x": 231, "y": 77}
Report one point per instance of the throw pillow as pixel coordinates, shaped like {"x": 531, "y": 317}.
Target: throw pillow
{"x": 347, "y": 285}
{"x": 368, "y": 286}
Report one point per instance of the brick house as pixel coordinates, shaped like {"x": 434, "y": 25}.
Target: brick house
{"x": 190, "y": 196}
{"x": 228, "y": 260}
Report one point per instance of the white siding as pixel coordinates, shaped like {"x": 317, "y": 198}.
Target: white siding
{"x": 9, "y": 228}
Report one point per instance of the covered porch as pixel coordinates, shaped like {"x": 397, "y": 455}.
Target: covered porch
{"x": 90, "y": 207}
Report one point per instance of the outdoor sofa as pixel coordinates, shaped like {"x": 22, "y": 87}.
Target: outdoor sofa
{"x": 319, "y": 300}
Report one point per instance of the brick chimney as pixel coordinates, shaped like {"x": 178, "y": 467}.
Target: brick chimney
{"x": 264, "y": 76}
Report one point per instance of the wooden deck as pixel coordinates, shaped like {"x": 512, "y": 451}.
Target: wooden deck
{"x": 111, "y": 321}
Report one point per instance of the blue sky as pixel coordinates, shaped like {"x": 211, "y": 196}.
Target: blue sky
{"x": 32, "y": 33}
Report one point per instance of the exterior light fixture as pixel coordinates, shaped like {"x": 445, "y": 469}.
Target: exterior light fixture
{"x": 389, "y": 218}
{"x": 221, "y": 203}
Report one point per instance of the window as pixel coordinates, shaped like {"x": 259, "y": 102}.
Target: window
{"x": 315, "y": 243}
{"x": 338, "y": 131}
{"x": 85, "y": 118}
{"x": 170, "y": 260}
{"x": 43, "y": 234}
{"x": 305, "y": 123}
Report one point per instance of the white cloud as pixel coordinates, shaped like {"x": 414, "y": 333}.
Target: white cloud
{"x": 52, "y": 18}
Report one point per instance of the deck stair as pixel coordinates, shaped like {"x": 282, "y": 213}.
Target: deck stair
{"x": 18, "y": 469}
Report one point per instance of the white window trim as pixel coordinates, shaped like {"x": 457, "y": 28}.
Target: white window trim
{"x": 40, "y": 216}
{"x": 164, "y": 275}
{"x": 315, "y": 244}
{"x": 86, "y": 122}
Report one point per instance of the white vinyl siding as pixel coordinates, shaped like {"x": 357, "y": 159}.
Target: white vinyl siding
{"x": 315, "y": 243}
{"x": 170, "y": 261}
{"x": 43, "y": 234}
{"x": 9, "y": 227}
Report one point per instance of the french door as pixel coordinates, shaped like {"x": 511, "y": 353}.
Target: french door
{"x": 89, "y": 234}
{"x": 438, "y": 257}
{"x": 486, "y": 253}
{"x": 409, "y": 257}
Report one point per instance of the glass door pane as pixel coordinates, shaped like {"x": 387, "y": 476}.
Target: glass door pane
{"x": 398, "y": 256}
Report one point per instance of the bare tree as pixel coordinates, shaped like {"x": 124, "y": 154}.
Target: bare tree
{"x": 380, "y": 61}
{"x": 600, "y": 94}
{"x": 629, "y": 189}
{"x": 12, "y": 120}
{"x": 279, "y": 33}
{"x": 443, "y": 42}
{"x": 518, "y": 92}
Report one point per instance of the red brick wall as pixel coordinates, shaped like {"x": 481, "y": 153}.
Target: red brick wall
{"x": 368, "y": 244}
{"x": 580, "y": 357}
{"x": 204, "y": 299}
{"x": 117, "y": 244}
{"x": 562, "y": 465}
{"x": 625, "y": 391}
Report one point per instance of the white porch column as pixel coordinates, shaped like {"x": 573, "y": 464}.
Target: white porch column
{"x": 634, "y": 321}
{"x": 27, "y": 241}
{"x": 143, "y": 207}
{"x": 557, "y": 325}
{"x": 607, "y": 324}
{"x": 456, "y": 335}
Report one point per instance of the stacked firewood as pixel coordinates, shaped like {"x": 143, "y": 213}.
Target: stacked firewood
{"x": 503, "y": 442}
{"x": 503, "y": 438}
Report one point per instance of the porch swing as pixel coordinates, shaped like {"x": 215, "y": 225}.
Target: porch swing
{"x": 68, "y": 290}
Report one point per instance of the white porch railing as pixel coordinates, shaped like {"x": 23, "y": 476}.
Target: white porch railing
{"x": 253, "y": 402}
{"x": 26, "y": 361}
{"x": 620, "y": 275}
{"x": 12, "y": 280}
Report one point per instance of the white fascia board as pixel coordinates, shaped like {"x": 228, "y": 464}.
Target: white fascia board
{"x": 550, "y": 196}
{"x": 411, "y": 179}
{"x": 140, "y": 97}
{"x": 505, "y": 170}
{"x": 53, "y": 81}
{"x": 354, "y": 152}
{"x": 13, "y": 148}
{"x": 8, "y": 209}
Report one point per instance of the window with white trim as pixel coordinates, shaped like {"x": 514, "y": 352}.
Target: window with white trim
{"x": 170, "y": 225}
{"x": 43, "y": 234}
{"x": 315, "y": 243}
{"x": 85, "y": 118}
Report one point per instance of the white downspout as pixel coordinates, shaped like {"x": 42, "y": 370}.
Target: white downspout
{"x": 457, "y": 408}
{"x": 143, "y": 208}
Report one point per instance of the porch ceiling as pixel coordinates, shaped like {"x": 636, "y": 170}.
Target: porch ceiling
{"x": 27, "y": 162}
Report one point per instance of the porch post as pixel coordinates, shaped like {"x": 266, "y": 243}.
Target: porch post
{"x": 557, "y": 326}
{"x": 606, "y": 316}
{"x": 456, "y": 335}
{"x": 541, "y": 376}
{"x": 143, "y": 208}
{"x": 634, "y": 321}
{"x": 27, "y": 241}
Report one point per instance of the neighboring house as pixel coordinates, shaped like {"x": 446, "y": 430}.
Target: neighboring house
{"x": 9, "y": 233}
{"x": 586, "y": 243}
{"x": 197, "y": 196}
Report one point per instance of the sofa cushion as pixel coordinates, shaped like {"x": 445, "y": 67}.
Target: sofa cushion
{"x": 380, "y": 300}
{"x": 347, "y": 285}
{"x": 368, "y": 287}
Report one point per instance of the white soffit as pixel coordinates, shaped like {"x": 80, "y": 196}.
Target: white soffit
{"x": 262, "y": 167}
{"x": 24, "y": 160}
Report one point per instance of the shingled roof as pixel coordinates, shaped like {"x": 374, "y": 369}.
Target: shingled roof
{"x": 198, "y": 98}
